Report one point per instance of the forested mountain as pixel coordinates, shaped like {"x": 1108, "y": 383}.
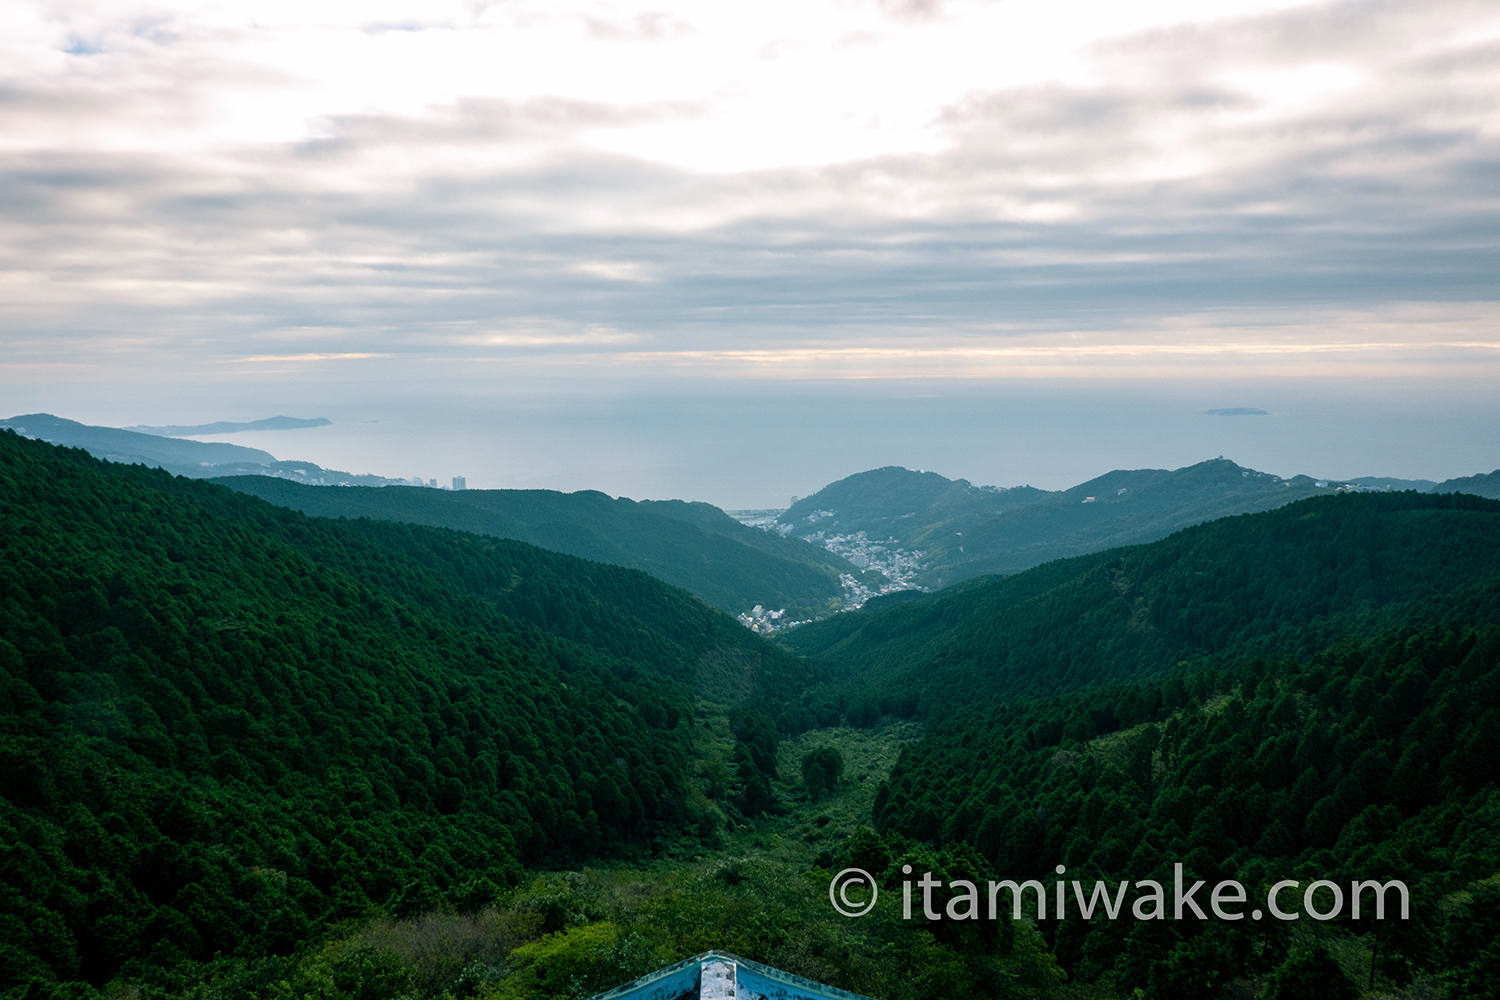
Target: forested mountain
{"x": 224, "y": 724}
{"x": 1117, "y": 614}
{"x": 963, "y": 531}
{"x": 695, "y": 546}
{"x": 1486, "y": 485}
{"x": 245, "y": 752}
{"x": 179, "y": 456}
{"x": 1309, "y": 693}
{"x": 900, "y": 504}
{"x": 185, "y": 458}
{"x": 1371, "y": 759}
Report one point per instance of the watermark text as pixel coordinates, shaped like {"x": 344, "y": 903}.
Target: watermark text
{"x": 853, "y": 892}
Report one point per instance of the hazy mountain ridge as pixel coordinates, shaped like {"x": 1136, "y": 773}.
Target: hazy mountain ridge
{"x": 1483, "y": 485}
{"x": 234, "y": 426}
{"x": 179, "y": 456}
{"x": 691, "y": 545}
{"x": 958, "y": 531}
{"x": 113, "y": 444}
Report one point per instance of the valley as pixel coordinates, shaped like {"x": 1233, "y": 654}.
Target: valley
{"x": 248, "y": 752}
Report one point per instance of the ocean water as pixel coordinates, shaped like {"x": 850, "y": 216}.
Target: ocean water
{"x": 750, "y": 445}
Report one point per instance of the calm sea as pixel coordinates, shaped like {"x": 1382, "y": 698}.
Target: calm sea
{"x": 744, "y": 445}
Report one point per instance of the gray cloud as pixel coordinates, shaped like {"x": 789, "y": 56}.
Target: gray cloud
{"x": 401, "y": 269}
{"x": 1315, "y": 32}
{"x": 477, "y": 122}
{"x": 1045, "y": 207}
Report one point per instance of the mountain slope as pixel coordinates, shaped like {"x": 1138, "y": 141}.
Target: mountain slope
{"x": 184, "y": 458}
{"x": 898, "y": 503}
{"x": 235, "y": 426}
{"x": 179, "y": 456}
{"x": 1485, "y": 485}
{"x": 964, "y": 531}
{"x": 223, "y": 724}
{"x": 1367, "y": 767}
{"x": 1123, "y": 508}
{"x": 1311, "y": 693}
{"x": 1362, "y": 559}
{"x": 691, "y": 545}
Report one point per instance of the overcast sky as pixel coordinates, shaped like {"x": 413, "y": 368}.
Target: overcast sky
{"x": 209, "y": 209}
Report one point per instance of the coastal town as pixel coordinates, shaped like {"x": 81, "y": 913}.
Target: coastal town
{"x": 886, "y": 569}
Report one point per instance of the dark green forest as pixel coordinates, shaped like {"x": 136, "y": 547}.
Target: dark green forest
{"x": 1312, "y": 693}
{"x": 245, "y": 752}
{"x": 226, "y": 725}
{"x": 965, "y": 531}
{"x": 1291, "y": 580}
{"x": 694, "y": 546}
{"x": 1372, "y": 760}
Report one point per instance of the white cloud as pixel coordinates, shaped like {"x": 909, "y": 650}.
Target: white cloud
{"x": 337, "y": 179}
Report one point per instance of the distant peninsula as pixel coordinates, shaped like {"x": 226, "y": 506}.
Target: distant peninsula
{"x": 232, "y": 427}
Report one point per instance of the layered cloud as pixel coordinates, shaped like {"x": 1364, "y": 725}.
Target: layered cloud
{"x": 775, "y": 190}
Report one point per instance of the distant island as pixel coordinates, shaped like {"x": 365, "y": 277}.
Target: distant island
{"x": 233, "y": 427}
{"x": 1238, "y": 411}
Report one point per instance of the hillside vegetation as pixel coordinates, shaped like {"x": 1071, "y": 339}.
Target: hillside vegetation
{"x": 1309, "y": 693}
{"x": 245, "y": 752}
{"x": 224, "y": 724}
{"x": 963, "y": 531}
{"x": 692, "y": 545}
{"x": 1292, "y": 576}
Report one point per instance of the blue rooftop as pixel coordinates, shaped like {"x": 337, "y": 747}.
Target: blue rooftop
{"x": 718, "y": 975}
